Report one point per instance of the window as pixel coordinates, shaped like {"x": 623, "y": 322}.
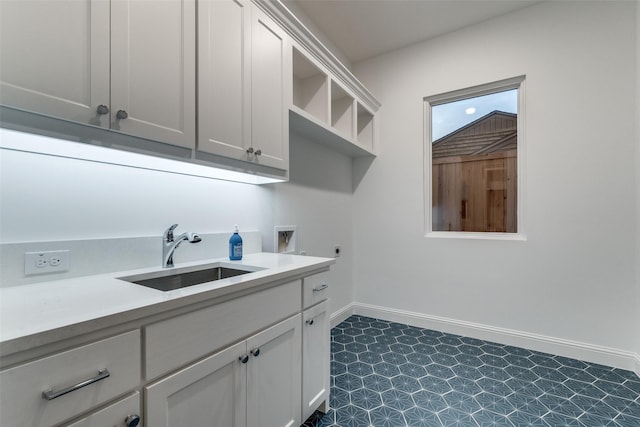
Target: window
{"x": 474, "y": 157}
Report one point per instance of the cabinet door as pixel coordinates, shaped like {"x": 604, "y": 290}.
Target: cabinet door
{"x": 271, "y": 86}
{"x": 315, "y": 358}
{"x": 224, "y": 77}
{"x": 23, "y": 403}
{"x": 113, "y": 415}
{"x": 153, "y": 70}
{"x": 273, "y": 376}
{"x": 54, "y": 57}
{"x": 211, "y": 392}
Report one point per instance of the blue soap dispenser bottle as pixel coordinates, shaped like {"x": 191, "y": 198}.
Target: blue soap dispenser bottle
{"x": 235, "y": 246}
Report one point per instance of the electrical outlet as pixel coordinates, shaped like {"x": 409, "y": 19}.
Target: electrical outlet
{"x": 46, "y": 262}
{"x": 336, "y": 251}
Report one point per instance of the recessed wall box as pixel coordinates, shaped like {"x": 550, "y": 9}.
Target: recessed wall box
{"x": 284, "y": 238}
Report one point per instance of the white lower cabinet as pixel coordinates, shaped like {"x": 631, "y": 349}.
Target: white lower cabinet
{"x": 273, "y": 376}
{"x": 123, "y": 413}
{"x": 315, "y": 359}
{"x": 59, "y": 387}
{"x": 254, "y": 383}
{"x": 258, "y": 359}
{"x": 213, "y": 389}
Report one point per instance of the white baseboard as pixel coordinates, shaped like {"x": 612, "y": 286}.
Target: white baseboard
{"x": 558, "y": 346}
{"x": 342, "y": 314}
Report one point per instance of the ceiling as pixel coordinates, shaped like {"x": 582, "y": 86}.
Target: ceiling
{"x": 365, "y": 28}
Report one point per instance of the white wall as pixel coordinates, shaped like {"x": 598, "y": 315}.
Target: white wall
{"x": 319, "y": 200}
{"x": 52, "y": 198}
{"x": 45, "y": 198}
{"x": 574, "y": 277}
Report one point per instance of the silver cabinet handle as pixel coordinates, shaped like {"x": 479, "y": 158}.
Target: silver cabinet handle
{"x": 255, "y": 352}
{"x": 258, "y": 152}
{"x": 250, "y": 150}
{"x": 50, "y": 394}
{"x": 121, "y": 115}
{"x": 132, "y": 420}
{"x": 320, "y": 288}
{"x": 244, "y": 358}
{"x": 309, "y": 322}
{"x": 102, "y": 109}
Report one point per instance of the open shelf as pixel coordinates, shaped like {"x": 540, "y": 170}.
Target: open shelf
{"x": 320, "y": 133}
{"x": 310, "y": 88}
{"x": 341, "y": 110}
{"x": 325, "y": 112}
{"x": 365, "y": 127}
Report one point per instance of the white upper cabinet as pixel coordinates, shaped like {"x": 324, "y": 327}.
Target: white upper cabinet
{"x": 126, "y": 65}
{"x": 224, "y": 77}
{"x": 270, "y": 91}
{"x": 243, "y": 84}
{"x": 54, "y": 58}
{"x": 247, "y": 70}
{"x": 153, "y": 69}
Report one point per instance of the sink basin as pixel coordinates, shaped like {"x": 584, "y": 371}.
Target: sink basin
{"x": 169, "y": 280}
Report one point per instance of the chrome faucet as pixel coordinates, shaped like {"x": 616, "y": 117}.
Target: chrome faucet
{"x": 170, "y": 244}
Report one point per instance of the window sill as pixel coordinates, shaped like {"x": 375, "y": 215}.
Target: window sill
{"x": 475, "y": 235}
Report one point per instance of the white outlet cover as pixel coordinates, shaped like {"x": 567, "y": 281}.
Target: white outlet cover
{"x": 46, "y": 262}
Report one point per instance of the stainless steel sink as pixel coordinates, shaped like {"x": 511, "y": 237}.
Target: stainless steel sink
{"x": 169, "y": 280}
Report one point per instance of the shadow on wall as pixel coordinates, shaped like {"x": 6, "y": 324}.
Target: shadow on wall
{"x": 360, "y": 167}
{"x": 314, "y": 165}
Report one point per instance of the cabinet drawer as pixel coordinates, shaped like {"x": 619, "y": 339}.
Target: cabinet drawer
{"x": 173, "y": 343}
{"x": 315, "y": 289}
{"x": 113, "y": 415}
{"x": 23, "y": 402}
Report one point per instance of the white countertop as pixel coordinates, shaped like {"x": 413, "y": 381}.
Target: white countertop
{"x": 36, "y": 314}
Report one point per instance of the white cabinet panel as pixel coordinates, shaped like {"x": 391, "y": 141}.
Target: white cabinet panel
{"x": 315, "y": 289}
{"x": 271, "y": 91}
{"x": 21, "y": 396}
{"x": 93, "y": 61}
{"x": 211, "y": 392}
{"x": 113, "y": 415}
{"x": 274, "y": 376}
{"x": 315, "y": 358}
{"x": 224, "y": 77}
{"x": 214, "y": 327}
{"x": 54, "y": 57}
{"x": 153, "y": 69}
{"x": 244, "y": 83}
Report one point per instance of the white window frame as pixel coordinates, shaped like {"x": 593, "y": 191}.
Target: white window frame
{"x": 484, "y": 89}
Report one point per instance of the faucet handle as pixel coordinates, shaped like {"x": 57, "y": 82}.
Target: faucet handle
{"x": 168, "y": 233}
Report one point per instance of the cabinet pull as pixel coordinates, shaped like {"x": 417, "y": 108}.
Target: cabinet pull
{"x": 309, "y": 322}
{"x": 121, "y": 115}
{"x": 132, "y": 420}
{"x": 255, "y": 352}
{"x": 50, "y": 394}
{"x": 320, "y": 288}
{"x": 258, "y": 152}
{"x": 250, "y": 150}
{"x": 244, "y": 358}
{"x": 102, "y": 109}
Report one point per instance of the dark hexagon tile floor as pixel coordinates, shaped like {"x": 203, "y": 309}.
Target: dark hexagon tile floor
{"x": 386, "y": 374}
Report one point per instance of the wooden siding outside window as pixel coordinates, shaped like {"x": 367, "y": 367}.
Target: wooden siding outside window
{"x": 474, "y": 176}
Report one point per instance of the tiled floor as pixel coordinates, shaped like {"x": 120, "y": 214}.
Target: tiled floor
{"x": 386, "y": 374}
